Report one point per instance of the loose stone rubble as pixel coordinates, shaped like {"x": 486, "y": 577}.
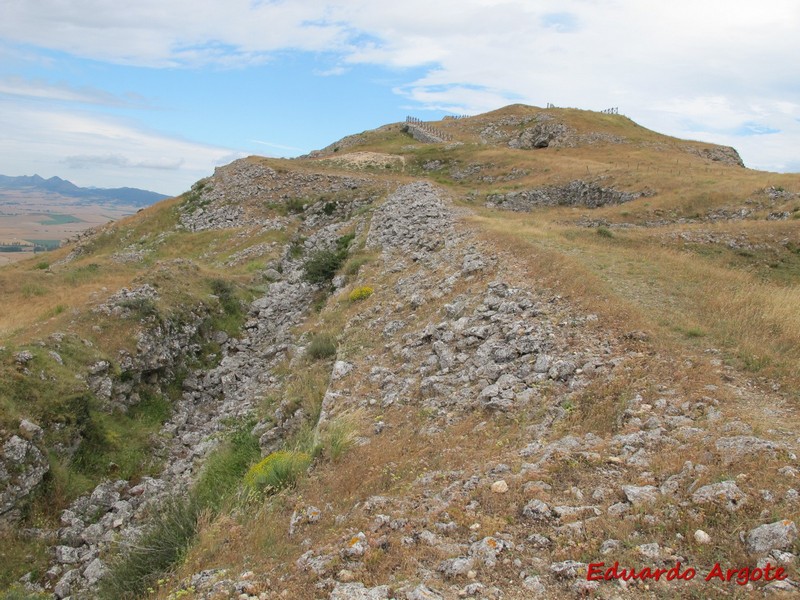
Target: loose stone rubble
{"x": 470, "y": 339}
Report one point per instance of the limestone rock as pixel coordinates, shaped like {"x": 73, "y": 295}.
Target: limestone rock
{"x": 357, "y": 591}
{"x": 726, "y": 494}
{"x": 779, "y": 535}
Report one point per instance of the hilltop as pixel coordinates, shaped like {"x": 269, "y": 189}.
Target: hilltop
{"x": 432, "y": 360}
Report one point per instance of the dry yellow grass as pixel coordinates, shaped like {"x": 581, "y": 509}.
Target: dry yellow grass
{"x": 637, "y": 279}
{"x": 687, "y": 297}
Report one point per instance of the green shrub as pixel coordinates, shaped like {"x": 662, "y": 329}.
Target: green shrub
{"x": 295, "y": 205}
{"x": 43, "y": 265}
{"x": 277, "y": 471}
{"x": 322, "y": 345}
{"x": 343, "y": 243}
{"x": 604, "y": 232}
{"x": 323, "y": 264}
{"x": 321, "y": 267}
{"x": 140, "y": 307}
{"x": 361, "y": 293}
{"x": 224, "y": 290}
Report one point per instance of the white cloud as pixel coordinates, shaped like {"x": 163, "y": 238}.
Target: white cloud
{"x": 95, "y": 161}
{"x": 63, "y": 92}
{"x": 99, "y": 150}
{"x": 720, "y": 64}
{"x": 178, "y": 32}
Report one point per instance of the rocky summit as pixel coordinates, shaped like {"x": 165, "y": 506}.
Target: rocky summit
{"x": 527, "y": 354}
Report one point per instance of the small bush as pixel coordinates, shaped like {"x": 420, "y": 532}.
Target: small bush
{"x": 224, "y": 290}
{"x": 354, "y": 265}
{"x": 42, "y": 266}
{"x": 140, "y": 306}
{"x": 295, "y": 205}
{"x": 277, "y": 471}
{"x": 361, "y": 293}
{"x": 323, "y": 264}
{"x": 297, "y": 248}
{"x": 604, "y": 232}
{"x": 322, "y": 345}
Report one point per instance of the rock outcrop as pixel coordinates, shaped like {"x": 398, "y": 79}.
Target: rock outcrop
{"x": 575, "y": 193}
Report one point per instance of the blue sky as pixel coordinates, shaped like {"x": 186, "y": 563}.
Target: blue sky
{"x": 157, "y": 93}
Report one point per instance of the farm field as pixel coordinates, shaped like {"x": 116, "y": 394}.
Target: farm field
{"x": 30, "y": 218}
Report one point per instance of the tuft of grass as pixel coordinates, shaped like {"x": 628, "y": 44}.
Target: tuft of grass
{"x": 296, "y": 248}
{"x": 322, "y": 345}
{"x": 223, "y": 470}
{"x": 277, "y": 471}
{"x": 338, "y": 437}
{"x": 30, "y": 290}
{"x": 83, "y": 274}
{"x": 306, "y": 389}
{"x": 19, "y": 593}
{"x": 604, "y": 232}
{"x": 295, "y": 205}
{"x": 143, "y": 561}
{"x": 174, "y": 524}
{"x": 694, "y": 332}
{"x": 353, "y": 266}
{"x": 226, "y": 293}
{"x": 141, "y": 308}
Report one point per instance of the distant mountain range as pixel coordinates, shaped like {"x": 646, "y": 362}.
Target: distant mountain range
{"x": 55, "y": 185}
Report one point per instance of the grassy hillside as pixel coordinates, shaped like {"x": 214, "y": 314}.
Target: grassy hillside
{"x": 673, "y": 267}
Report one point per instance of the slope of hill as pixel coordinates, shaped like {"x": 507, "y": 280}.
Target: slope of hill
{"x": 409, "y": 368}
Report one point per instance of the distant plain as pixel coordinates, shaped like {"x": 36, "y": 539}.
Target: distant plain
{"x": 33, "y": 217}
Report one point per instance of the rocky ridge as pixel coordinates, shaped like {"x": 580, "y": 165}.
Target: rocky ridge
{"x": 457, "y": 335}
{"x": 496, "y": 349}
{"x": 575, "y": 193}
